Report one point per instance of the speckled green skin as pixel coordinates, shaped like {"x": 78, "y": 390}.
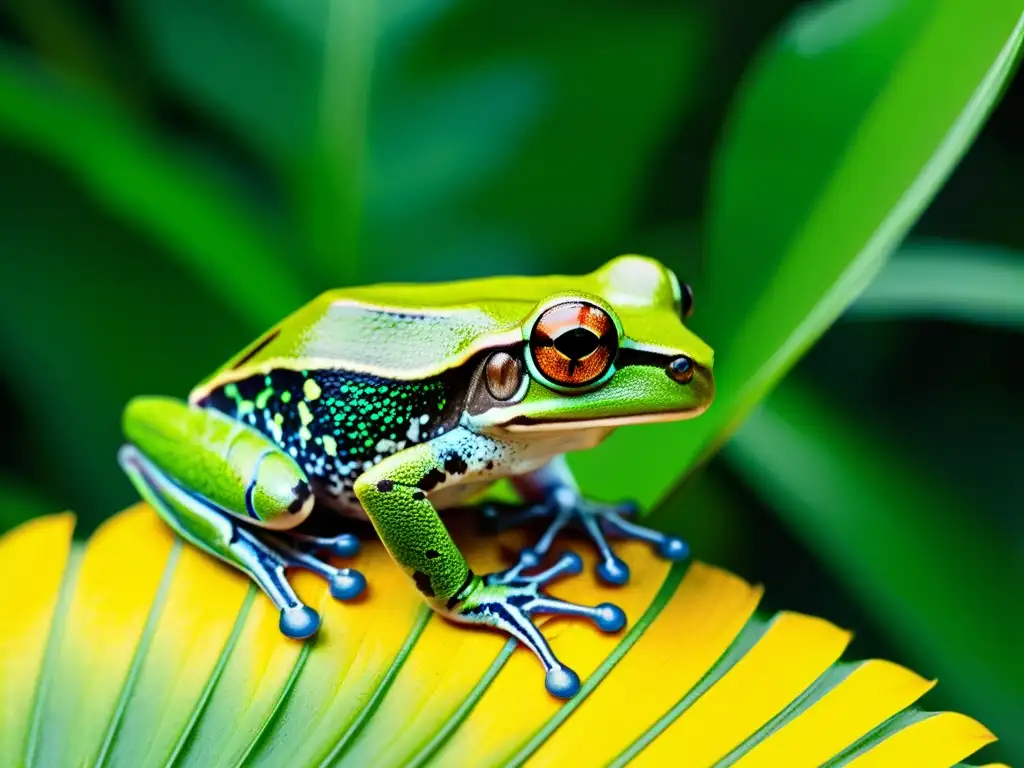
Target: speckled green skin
{"x": 408, "y": 524}
{"x": 371, "y": 401}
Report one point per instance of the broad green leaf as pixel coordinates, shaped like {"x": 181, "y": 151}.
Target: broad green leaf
{"x": 490, "y": 126}
{"x": 332, "y": 187}
{"x": 157, "y": 653}
{"x": 315, "y": 60}
{"x": 510, "y": 116}
{"x": 904, "y": 543}
{"x": 971, "y": 282}
{"x": 261, "y": 84}
{"x": 72, "y": 43}
{"x": 422, "y": 135}
{"x": 75, "y": 347}
{"x": 154, "y": 186}
{"x": 841, "y": 134}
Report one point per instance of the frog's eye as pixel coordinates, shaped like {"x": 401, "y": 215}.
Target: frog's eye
{"x": 686, "y": 301}
{"x": 574, "y": 343}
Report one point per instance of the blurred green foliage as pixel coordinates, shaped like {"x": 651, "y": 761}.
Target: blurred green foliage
{"x": 179, "y": 175}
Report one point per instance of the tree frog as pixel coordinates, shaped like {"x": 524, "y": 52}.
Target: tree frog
{"x": 392, "y": 402}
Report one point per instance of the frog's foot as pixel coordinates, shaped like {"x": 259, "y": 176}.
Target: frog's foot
{"x": 274, "y": 553}
{"x": 506, "y": 600}
{"x": 263, "y": 554}
{"x": 564, "y": 506}
{"x": 342, "y": 545}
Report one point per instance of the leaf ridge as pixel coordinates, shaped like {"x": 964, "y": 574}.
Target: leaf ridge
{"x": 743, "y": 642}
{"x": 215, "y": 675}
{"x": 282, "y": 699}
{"x": 54, "y": 640}
{"x": 456, "y": 720}
{"x": 383, "y": 687}
{"x": 668, "y": 588}
{"x": 128, "y": 687}
{"x": 827, "y": 681}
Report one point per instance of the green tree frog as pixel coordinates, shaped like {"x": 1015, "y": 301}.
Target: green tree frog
{"x": 395, "y": 401}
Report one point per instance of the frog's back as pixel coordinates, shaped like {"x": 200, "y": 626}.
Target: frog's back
{"x": 412, "y": 331}
{"x": 394, "y": 331}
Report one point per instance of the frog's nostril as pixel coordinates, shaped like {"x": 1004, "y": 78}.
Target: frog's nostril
{"x": 681, "y": 370}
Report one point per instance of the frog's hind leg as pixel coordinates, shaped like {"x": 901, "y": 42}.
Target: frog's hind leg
{"x": 262, "y": 554}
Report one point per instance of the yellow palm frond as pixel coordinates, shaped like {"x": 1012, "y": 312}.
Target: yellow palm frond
{"x": 137, "y": 650}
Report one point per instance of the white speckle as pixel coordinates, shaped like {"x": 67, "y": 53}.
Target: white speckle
{"x": 414, "y": 432}
{"x": 385, "y": 446}
{"x": 424, "y": 418}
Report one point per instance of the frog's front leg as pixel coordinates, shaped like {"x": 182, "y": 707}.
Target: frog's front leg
{"x": 394, "y": 494}
{"x": 552, "y": 492}
{"x": 233, "y": 493}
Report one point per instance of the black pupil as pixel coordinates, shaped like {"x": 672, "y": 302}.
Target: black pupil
{"x": 577, "y": 343}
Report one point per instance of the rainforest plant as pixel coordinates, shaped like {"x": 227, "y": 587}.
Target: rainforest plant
{"x": 182, "y": 175}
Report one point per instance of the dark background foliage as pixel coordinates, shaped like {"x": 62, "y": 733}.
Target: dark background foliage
{"x": 178, "y": 175}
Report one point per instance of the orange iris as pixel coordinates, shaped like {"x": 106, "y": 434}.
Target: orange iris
{"x": 574, "y": 343}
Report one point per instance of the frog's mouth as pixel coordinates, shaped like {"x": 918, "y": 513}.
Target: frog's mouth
{"x": 530, "y": 424}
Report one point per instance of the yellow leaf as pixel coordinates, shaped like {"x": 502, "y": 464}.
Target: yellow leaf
{"x": 157, "y": 653}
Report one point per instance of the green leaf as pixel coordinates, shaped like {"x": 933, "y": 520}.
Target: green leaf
{"x": 841, "y": 134}
{"x": 513, "y": 119}
{"x": 946, "y": 588}
{"x": 70, "y": 40}
{"x": 428, "y": 133}
{"x": 262, "y": 87}
{"x": 321, "y": 60}
{"x": 332, "y": 191}
{"x": 76, "y": 347}
{"x": 970, "y": 282}
{"x": 149, "y": 652}
{"x": 154, "y": 186}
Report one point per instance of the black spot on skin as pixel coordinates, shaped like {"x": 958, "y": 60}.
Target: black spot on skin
{"x": 490, "y": 465}
{"x": 423, "y": 583}
{"x": 302, "y": 492}
{"x": 432, "y": 553}
{"x": 455, "y": 464}
{"x": 432, "y": 478}
{"x": 384, "y": 485}
{"x": 454, "y": 599}
{"x": 418, "y": 496}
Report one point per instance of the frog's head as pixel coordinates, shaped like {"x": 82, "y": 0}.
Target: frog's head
{"x": 610, "y": 350}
